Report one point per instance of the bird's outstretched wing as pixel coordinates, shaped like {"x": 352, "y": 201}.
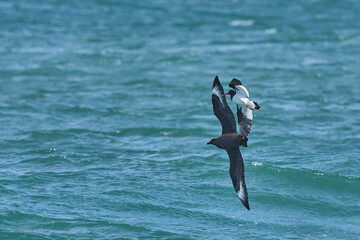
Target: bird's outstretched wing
{"x": 244, "y": 122}
{"x": 237, "y": 175}
{"x": 221, "y": 109}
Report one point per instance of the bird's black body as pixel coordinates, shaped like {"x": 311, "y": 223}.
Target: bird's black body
{"x": 227, "y": 141}
{"x": 230, "y": 140}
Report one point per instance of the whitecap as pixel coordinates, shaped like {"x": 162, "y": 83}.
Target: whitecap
{"x": 312, "y": 61}
{"x": 236, "y": 23}
{"x": 271, "y": 31}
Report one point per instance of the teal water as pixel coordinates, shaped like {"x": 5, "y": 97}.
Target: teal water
{"x": 105, "y": 110}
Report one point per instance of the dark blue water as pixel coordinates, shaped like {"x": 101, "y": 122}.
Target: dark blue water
{"x": 105, "y": 110}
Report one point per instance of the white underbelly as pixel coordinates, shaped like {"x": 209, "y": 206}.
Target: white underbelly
{"x": 240, "y": 100}
{"x": 245, "y": 105}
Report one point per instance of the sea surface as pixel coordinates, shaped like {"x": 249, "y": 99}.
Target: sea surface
{"x": 105, "y": 112}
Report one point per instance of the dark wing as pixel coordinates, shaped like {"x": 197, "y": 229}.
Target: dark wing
{"x": 221, "y": 109}
{"x": 244, "y": 122}
{"x": 237, "y": 175}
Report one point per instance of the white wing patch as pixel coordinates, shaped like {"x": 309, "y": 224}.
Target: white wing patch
{"x": 217, "y": 92}
{"x": 241, "y": 193}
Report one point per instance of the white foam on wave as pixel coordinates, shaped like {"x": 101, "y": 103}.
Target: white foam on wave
{"x": 312, "y": 61}
{"x": 271, "y": 31}
{"x": 256, "y": 164}
{"x": 236, "y": 23}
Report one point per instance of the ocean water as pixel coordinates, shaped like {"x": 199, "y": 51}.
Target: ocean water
{"x": 105, "y": 111}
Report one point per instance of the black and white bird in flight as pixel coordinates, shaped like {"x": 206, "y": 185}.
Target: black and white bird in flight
{"x": 240, "y": 96}
{"x": 230, "y": 140}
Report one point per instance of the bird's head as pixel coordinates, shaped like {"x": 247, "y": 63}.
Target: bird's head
{"x": 231, "y": 93}
{"x": 234, "y": 82}
{"x": 212, "y": 141}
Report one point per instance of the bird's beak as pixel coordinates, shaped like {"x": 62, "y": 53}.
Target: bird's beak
{"x": 226, "y": 93}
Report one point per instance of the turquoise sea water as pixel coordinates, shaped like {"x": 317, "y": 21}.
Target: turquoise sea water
{"x": 105, "y": 111}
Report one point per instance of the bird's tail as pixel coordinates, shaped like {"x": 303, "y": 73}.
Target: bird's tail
{"x": 256, "y": 105}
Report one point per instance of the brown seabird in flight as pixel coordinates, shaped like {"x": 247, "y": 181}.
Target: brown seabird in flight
{"x": 230, "y": 140}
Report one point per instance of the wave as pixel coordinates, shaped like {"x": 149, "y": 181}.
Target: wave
{"x": 74, "y": 227}
{"x": 302, "y": 173}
